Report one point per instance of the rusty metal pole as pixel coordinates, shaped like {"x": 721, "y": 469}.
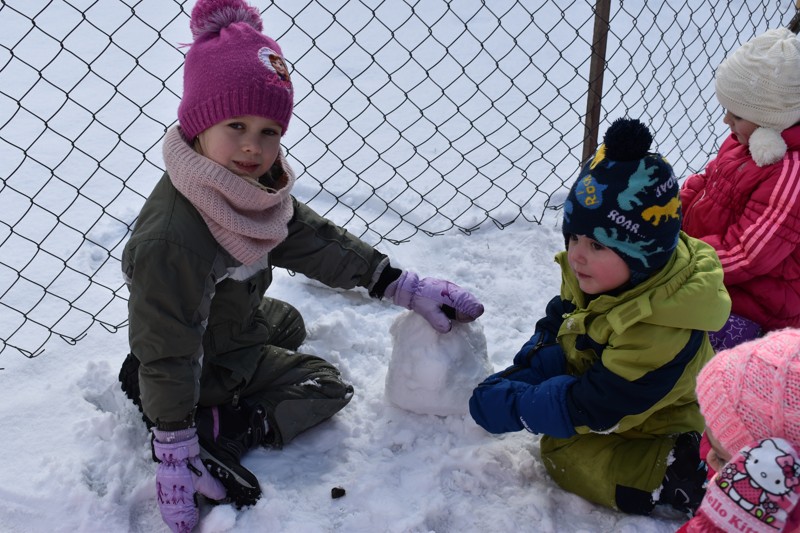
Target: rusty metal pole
{"x": 794, "y": 25}
{"x": 597, "y": 67}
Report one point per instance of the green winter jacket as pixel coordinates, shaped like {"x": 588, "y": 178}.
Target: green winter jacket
{"x": 191, "y": 301}
{"x": 636, "y": 355}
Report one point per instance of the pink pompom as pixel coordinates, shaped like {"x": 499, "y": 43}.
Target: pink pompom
{"x": 211, "y": 16}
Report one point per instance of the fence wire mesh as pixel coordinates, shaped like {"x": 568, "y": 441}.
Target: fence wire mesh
{"x": 411, "y": 117}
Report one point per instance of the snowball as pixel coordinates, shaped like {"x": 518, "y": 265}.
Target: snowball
{"x": 435, "y": 373}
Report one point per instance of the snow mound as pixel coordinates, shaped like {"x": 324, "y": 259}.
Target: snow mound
{"x": 434, "y": 373}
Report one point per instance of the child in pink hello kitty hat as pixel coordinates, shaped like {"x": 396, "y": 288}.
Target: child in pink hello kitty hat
{"x": 750, "y": 398}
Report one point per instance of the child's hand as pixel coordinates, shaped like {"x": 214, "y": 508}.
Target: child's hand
{"x": 429, "y": 295}
{"x": 543, "y": 356}
{"x": 501, "y": 405}
{"x": 512, "y": 373}
{"x": 493, "y": 404}
{"x": 180, "y": 474}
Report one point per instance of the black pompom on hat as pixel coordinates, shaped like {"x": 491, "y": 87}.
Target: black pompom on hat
{"x": 626, "y": 198}
{"x": 627, "y": 140}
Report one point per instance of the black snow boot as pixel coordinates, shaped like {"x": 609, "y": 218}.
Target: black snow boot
{"x": 685, "y": 481}
{"x": 225, "y": 434}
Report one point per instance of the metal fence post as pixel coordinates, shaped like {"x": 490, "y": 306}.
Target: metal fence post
{"x": 597, "y": 67}
{"x": 794, "y": 25}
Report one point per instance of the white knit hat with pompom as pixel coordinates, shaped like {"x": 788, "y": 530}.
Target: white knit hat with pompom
{"x": 760, "y": 82}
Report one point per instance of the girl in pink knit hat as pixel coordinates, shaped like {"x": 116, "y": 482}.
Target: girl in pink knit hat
{"x": 213, "y": 363}
{"x": 745, "y": 202}
{"x": 750, "y": 398}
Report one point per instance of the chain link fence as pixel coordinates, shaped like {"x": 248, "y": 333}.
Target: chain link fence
{"x": 410, "y": 116}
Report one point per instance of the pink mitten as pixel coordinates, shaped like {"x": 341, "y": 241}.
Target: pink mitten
{"x": 180, "y": 474}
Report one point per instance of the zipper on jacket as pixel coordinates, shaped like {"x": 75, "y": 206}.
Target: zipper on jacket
{"x": 692, "y": 206}
{"x": 236, "y": 395}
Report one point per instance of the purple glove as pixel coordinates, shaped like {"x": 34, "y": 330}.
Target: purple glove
{"x": 427, "y": 296}
{"x": 180, "y": 474}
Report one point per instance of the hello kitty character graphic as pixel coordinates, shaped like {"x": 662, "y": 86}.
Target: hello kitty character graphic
{"x": 764, "y": 481}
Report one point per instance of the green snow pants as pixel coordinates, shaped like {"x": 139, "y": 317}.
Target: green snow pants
{"x": 608, "y": 469}
{"x": 297, "y": 390}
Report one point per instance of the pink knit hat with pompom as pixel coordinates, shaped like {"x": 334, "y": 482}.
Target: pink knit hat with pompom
{"x": 752, "y": 391}
{"x": 232, "y": 69}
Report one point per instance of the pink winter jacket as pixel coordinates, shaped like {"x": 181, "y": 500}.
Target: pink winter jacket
{"x": 751, "y": 216}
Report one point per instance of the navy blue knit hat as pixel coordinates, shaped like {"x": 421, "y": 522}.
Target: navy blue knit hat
{"x": 626, "y": 198}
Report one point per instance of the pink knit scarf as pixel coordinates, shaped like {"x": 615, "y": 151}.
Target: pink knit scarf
{"x": 245, "y": 217}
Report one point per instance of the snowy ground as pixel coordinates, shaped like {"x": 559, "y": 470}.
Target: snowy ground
{"x": 76, "y": 456}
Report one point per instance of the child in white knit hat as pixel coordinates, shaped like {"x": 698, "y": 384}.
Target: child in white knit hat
{"x": 746, "y": 203}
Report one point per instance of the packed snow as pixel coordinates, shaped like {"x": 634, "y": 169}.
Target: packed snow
{"x": 434, "y": 374}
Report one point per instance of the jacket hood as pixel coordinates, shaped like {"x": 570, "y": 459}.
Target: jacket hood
{"x": 688, "y": 293}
